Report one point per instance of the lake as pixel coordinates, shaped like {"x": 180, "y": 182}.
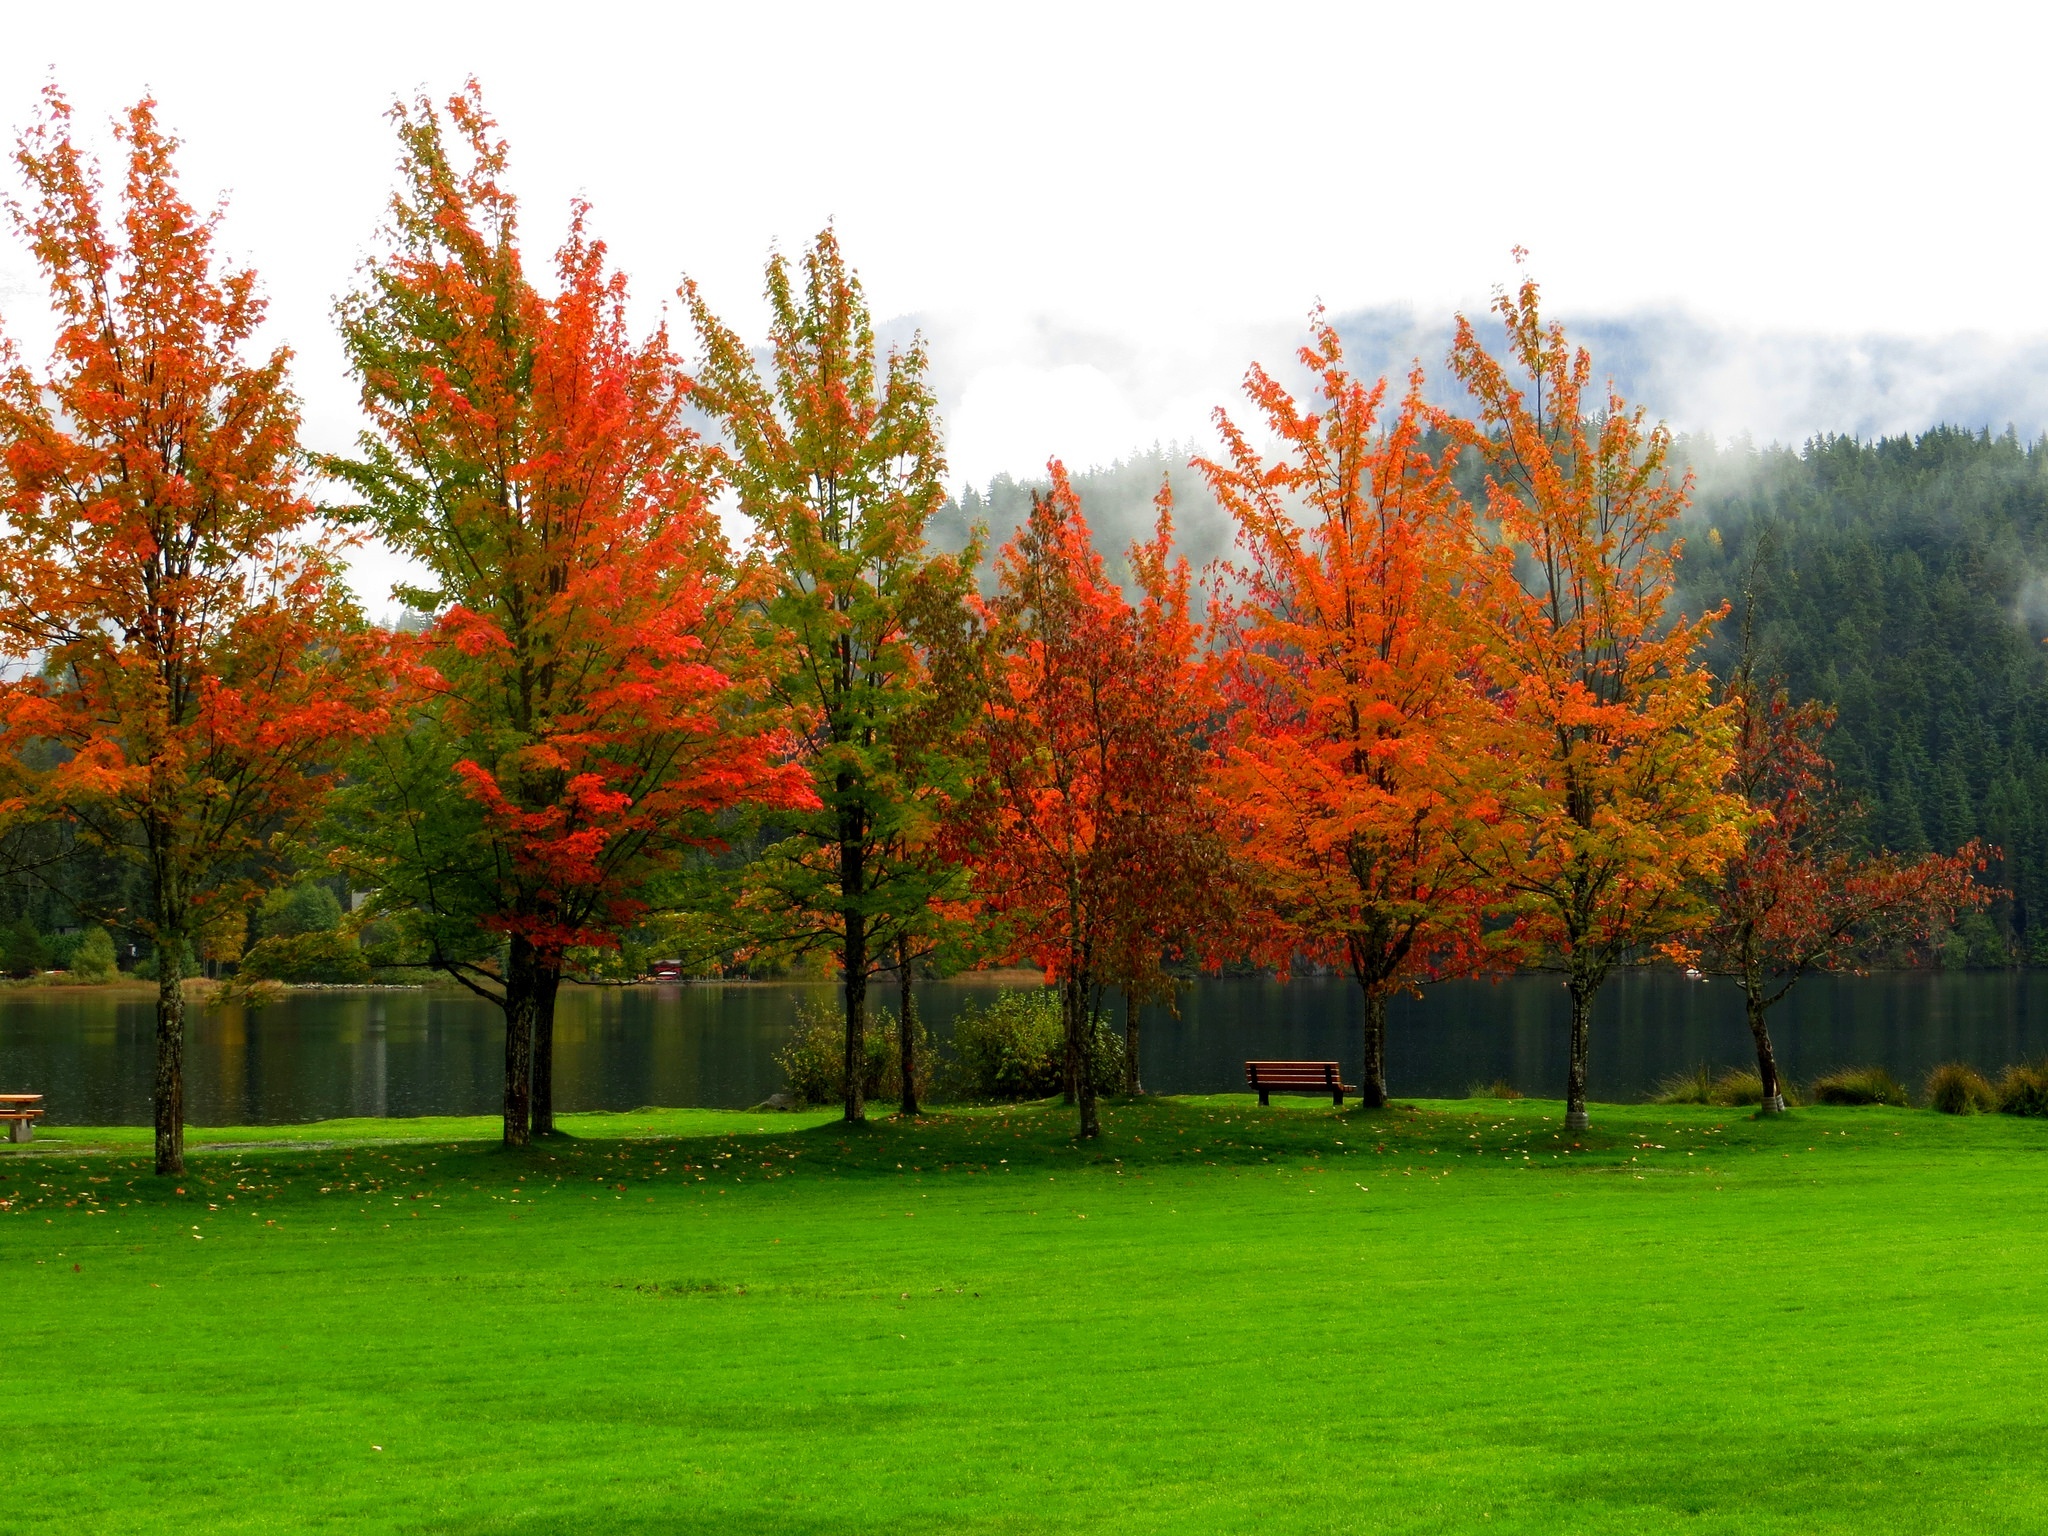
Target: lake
{"x": 322, "y": 1054}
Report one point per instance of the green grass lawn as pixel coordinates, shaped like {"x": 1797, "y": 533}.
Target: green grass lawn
{"x": 1221, "y": 1319}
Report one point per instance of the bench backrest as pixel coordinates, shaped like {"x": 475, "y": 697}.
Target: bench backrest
{"x": 1290, "y": 1072}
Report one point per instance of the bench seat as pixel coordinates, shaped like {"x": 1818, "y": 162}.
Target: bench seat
{"x": 1316, "y": 1077}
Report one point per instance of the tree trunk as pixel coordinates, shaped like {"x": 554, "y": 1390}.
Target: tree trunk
{"x": 1134, "y": 1084}
{"x": 521, "y": 998}
{"x": 1083, "y": 1034}
{"x": 854, "y": 957}
{"x": 1372, "y": 1077}
{"x": 1583, "y": 990}
{"x": 547, "y": 985}
{"x": 906, "y": 1026}
{"x": 1069, "y": 1012}
{"x": 170, "y": 1054}
{"x": 1766, "y": 1058}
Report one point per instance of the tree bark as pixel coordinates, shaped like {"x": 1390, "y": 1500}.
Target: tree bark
{"x": 906, "y": 1027}
{"x": 1069, "y": 1012}
{"x": 547, "y": 986}
{"x": 170, "y": 1054}
{"x": 1083, "y": 1036}
{"x": 1134, "y": 1084}
{"x": 1766, "y": 1058}
{"x": 521, "y": 1000}
{"x": 1372, "y": 1077}
{"x": 1582, "y": 990}
{"x": 854, "y": 952}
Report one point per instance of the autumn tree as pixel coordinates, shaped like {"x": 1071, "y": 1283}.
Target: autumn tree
{"x": 1351, "y": 651}
{"x": 587, "y": 698}
{"x": 1801, "y": 894}
{"x": 1608, "y": 779}
{"x": 931, "y": 918}
{"x": 170, "y": 606}
{"x": 835, "y": 455}
{"x": 1104, "y": 852}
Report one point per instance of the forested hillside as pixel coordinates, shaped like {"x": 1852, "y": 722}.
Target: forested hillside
{"x": 1902, "y": 581}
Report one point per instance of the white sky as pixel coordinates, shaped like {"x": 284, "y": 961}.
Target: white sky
{"x": 1101, "y": 212}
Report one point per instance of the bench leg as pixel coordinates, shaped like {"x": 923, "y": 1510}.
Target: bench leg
{"x": 22, "y": 1130}
{"x": 1263, "y": 1104}
{"x": 1337, "y": 1097}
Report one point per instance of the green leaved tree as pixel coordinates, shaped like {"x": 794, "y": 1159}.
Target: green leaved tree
{"x": 835, "y": 455}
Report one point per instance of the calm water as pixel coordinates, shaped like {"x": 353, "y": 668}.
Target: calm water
{"x": 322, "y": 1054}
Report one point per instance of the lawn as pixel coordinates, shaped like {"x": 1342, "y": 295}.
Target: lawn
{"x": 1439, "y": 1318}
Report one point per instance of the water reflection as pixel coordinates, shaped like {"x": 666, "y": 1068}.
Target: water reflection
{"x": 322, "y": 1054}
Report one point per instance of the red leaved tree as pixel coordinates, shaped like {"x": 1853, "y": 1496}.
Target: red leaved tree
{"x": 163, "y": 579}
{"x": 1801, "y": 895}
{"x": 1350, "y": 650}
{"x": 1104, "y": 856}
{"x": 588, "y": 692}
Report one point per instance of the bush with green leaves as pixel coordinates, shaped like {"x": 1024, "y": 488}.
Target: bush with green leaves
{"x": 93, "y": 958}
{"x": 1013, "y": 1048}
{"x": 1957, "y": 1089}
{"x": 1499, "y": 1088}
{"x": 188, "y": 965}
{"x": 22, "y": 952}
{"x": 331, "y": 959}
{"x": 2023, "y": 1090}
{"x": 1860, "y": 1085}
{"x": 814, "y": 1062}
{"x": 291, "y": 910}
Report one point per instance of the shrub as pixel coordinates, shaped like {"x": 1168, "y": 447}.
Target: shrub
{"x": 290, "y": 910}
{"x": 1733, "y": 1088}
{"x": 1860, "y": 1085}
{"x": 332, "y": 958}
{"x": 22, "y": 953}
{"x": 1013, "y": 1048}
{"x": 1956, "y": 1089}
{"x": 93, "y": 959}
{"x": 814, "y": 1062}
{"x": 1686, "y": 1088}
{"x": 188, "y": 966}
{"x": 2023, "y": 1089}
{"x": 1497, "y": 1089}
{"x": 1738, "y": 1088}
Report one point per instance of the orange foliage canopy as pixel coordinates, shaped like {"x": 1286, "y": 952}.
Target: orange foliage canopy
{"x": 1611, "y": 810}
{"x": 171, "y": 624}
{"x": 1104, "y": 855}
{"x": 1350, "y": 658}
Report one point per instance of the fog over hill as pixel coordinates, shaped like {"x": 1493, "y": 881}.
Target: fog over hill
{"x": 1121, "y": 417}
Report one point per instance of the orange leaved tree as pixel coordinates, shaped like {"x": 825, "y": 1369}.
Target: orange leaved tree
{"x": 1104, "y": 853}
{"x": 174, "y": 623}
{"x": 588, "y": 696}
{"x": 1608, "y": 778}
{"x": 1350, "y": 649}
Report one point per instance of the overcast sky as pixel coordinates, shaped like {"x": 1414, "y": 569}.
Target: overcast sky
{"x": 1100, "y": 212}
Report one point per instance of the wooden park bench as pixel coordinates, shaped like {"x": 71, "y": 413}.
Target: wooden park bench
{"x": 1297, "y": 1077}
{"x": 23, "y": 1110}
